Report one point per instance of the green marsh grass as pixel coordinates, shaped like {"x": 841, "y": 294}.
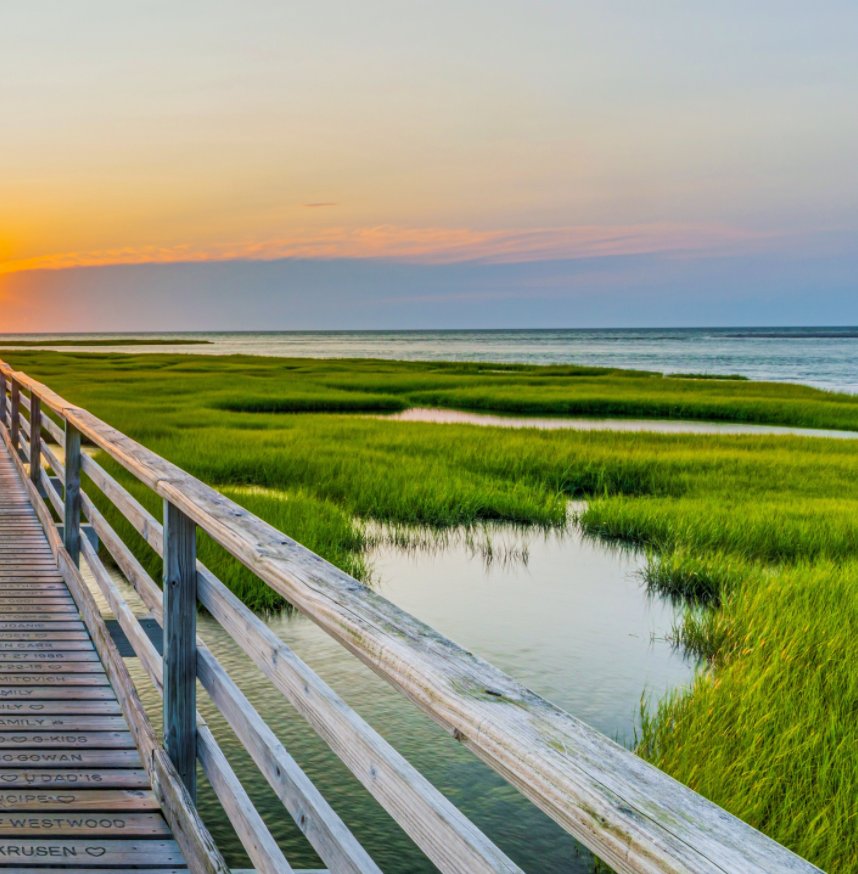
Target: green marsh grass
{"x": 759, "y": 533}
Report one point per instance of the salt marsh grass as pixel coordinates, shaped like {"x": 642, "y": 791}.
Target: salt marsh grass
{"x": 759, "y": 533}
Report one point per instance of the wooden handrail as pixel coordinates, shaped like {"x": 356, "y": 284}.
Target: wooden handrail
{"x": 629, "y": 813}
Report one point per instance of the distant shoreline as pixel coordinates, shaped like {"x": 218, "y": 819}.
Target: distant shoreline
{"x": 108, "y": 341}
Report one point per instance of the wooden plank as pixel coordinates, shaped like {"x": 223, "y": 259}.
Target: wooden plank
{"x": 41, "y": 692}
{"x": 71, "y": 492}
{"x": 74, "y": 778}
{"x": 12, "y": 647}
{"x": 324, "y": 829}
{"x": 178, "y": 806}
{"x": 159, "y": 870}
{"x": 35, "y": 439}
{"x": 326, "y": 832}
{"x": 261, "y": 847}
{"x": 180, "y": 632}
{"x": 47, "y": 637}
{"x": 49, "y": 668}
{"x": 15, "y": 415}
{"x": 78, "y": 758}
{"x": 60, "y": 707}
{"x": 34, "y": 623}
{"x": 99, "y": 740}
{"x": 86, "y": 823}
{"x": 76, "y": 799}
{"x": 41, "y": 681}
{"x": 58, "y": 656}
{"x": 75, "y": 853}
{"x": 64, "y": 723}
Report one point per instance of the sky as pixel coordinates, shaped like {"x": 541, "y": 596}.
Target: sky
{"x": 329, "y": 164}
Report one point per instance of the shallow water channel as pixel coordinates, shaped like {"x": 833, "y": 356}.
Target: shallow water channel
{"x": 563, "y": 614}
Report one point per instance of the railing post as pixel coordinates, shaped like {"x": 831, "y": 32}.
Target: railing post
{"x": 71, "y": 514}
{"x": 15, "y": 416}
{"x": 36, "y": 440}
{"x": 180, "y": 651}
{"x": 3, "y": 398}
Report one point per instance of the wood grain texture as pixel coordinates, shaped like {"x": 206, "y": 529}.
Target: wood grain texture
{"x": 180, "y": 647}
{"x": 436, "y": 825}
{"x": 69, "y": 767}
{"x": 71, "y": 492}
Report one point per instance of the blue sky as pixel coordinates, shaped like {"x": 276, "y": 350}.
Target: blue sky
{"x": 440, "y": 163}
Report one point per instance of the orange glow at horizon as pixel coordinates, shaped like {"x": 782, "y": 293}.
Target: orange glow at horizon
{"x": 420, "y": 245}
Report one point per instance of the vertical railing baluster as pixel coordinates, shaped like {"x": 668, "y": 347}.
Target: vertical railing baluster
{"x": 3, "y": 398}
{"x": 15, "y": 423}
{"x": 180, "y": 652}
{"x": 36, "y": 440}
{"x": 71, "y": 492}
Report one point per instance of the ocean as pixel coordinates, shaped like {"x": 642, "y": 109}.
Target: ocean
{"x": 823, "y": 357}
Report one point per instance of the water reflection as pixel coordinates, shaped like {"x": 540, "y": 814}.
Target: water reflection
{"x": 562, "y": 614}
{"x": 568, "y": 423}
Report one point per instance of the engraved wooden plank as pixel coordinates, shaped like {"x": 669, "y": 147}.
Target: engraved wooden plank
{"x": 119, "y": 740}
{"x": 74, "y": 778}
{"x": 26, "y": 623}
{"x": 24, "y": 646}
{"x": 64, "y": 723}
{"x": 76, "y": 853}
{"x": 55, "y": 706}
{"x": 58, "y": 656}
{"x": 56, "y": 610}
{"x": 39, "y": 692}
{"x": 64, "y": 638}
{"x": 78, "y": 758}
{"x": 159, "y": 870}
{"x": 7, "y": 586}
{"x": 34, "y": 570}
{"x": 64, "y": 667}
{"x": 32, "y": 593}
{"x": 42, "y": 799}
{"x": 91, "y": 823}
{"x": 56, "y": 680}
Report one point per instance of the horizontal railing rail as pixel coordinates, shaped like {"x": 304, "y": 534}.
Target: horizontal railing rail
{"x": 630, "y": 814}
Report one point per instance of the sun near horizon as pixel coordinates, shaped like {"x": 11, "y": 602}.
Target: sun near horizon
{"x": 573, "y": 140}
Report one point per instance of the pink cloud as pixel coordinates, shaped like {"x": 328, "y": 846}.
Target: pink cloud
{"x": 429, "y": 245}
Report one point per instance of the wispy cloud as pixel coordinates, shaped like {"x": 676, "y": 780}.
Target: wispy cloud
{"x": 430, "y": 245}
{"x": 319, "y": 204}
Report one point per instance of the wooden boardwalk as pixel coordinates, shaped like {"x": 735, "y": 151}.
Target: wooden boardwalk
{"x": 73, "y": 792}
{"x": 87, "y": 783}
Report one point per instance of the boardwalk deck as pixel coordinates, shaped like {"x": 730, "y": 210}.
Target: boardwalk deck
{"x": 73, "y": 793}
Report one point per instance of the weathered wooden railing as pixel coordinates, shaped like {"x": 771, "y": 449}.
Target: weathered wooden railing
{"x": 634, "y": 817}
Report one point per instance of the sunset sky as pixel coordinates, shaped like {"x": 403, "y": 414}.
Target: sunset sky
{"x": 427, "y": 164}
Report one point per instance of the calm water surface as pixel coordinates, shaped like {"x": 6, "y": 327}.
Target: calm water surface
{"x": 567, "y": 423}
{"x": 564, "y": 615}
{"x": 824, "y": 357}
